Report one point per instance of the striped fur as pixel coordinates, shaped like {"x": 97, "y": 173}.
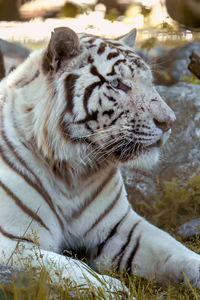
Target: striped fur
{"x": 70, "y": 115}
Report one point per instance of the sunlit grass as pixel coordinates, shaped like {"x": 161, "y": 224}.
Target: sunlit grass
{"x": 40, "y": 288}
{"x": 192, "y": 79}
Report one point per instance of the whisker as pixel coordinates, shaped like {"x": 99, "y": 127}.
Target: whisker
{"x": 111, "y": 129}
{"x": 106, "y": 145}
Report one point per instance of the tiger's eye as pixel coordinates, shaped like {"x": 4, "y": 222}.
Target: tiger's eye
{"x": 114, "y": 83}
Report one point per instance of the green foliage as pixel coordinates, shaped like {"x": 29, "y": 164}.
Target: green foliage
{"x": 192, "y": 79}
{"x": 175, "y": 204}
{"x": 168, "y": 27}
{"x": 112, "y": 14}
{"x": 148, "y": 44}
{"x": 71, "y": 10}
{"x": 145, "y": 11}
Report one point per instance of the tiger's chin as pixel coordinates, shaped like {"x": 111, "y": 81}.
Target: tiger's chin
{"x": 145, "y": 160}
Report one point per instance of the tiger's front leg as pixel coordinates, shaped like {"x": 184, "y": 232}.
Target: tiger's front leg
{"x": 59, "y": 267}
{"x": 143, "y": 249}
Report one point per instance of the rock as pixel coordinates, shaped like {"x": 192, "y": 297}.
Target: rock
{"x": 184, "y": 99}
{"x": 189, "y": 229}
{"x": 13, "y": 54}
{"x": 24, "y": 283}
{"x": 181, "y": 155}
{"x": 8, "y": 274}
{"x": 172, "y": 66}
{"x": 12, "y": 49}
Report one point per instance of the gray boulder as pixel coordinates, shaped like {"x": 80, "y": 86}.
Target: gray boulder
{"x": 172, "y": 66}
{"x": 189, "y": 228}
{"x": 13, "y": 49}
{"x": 13, "y": 55}
{"x": 8, "y": 274}
{"x": 181, "y": 156}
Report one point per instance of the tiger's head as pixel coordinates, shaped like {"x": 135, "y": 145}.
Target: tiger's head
{"x": 106, "y": 107}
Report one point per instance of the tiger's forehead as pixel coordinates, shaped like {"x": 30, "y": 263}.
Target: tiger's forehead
{"x": 104, "y": 51}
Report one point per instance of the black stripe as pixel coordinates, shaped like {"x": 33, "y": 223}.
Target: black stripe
{"x": 138, "y": 62}
{"x": 91, "y": 46}
{"x": 112, "y": 55}
{"x": 39, "y": 187}
{"x": 91, "y": 40}
{"x": 144, "y": 126}
{"x": 105, "y": 213}
{"x": 88, "y": 92}
{"x": 114, "y": 121}
{"x": 111, "y": 233}
{"x": 129, "y": 52}
{"x": 22, "y": 206}
{"x": 23, "y": 82}
{"x": 91, "y": 117}
{"x": 123, "y": 87}
{"x": 70, "y": 82}
{"x": 114, "y": 65}
{"x": 76, "y": 214}
{"x": 141, "y": 133}
{"x": 90, "y": 129}
{"x": 109, "y": 112}
{"x": 90, "y": 59}
{"x": 132, "y": 70}
{"x": 113, "y": 44}
{"x": 132, "y": 255}
{"x": 95, "y": 72}
{"x": 121, "y": 252}
{"x": 109, "y": 98}
{"x": 14, "y": 237}
{"x": 101, "y": 48}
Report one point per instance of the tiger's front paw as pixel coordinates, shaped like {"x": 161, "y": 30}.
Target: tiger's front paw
{"x": 185, "y": 270}
{"x": 191, "y": 272}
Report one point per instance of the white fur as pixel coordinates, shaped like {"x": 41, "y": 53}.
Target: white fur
{"x": 156, "y": 253}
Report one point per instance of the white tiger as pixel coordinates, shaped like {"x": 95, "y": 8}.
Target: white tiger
{"x": 71, "y": 114}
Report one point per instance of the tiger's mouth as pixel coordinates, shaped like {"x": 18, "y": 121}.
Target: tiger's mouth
{"x": 132, "y": 150}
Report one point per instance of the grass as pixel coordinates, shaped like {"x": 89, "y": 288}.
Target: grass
{"x": 175, "y": 204}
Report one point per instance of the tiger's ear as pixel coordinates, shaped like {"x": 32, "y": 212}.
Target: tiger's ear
{"x": 63, "y": 45}
{"x": 129, "y": 38}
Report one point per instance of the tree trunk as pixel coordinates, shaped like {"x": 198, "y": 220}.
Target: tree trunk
{"x": 186, "y": 12}
{"x": 9, "y": 10}
{"x": 194, "y": 65}
{"x": 2, "y": 68}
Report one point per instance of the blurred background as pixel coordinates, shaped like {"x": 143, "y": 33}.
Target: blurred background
{"x": 157, "y": 21}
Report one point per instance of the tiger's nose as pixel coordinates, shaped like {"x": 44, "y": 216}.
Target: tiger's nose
{"x": 164, "y": 125}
